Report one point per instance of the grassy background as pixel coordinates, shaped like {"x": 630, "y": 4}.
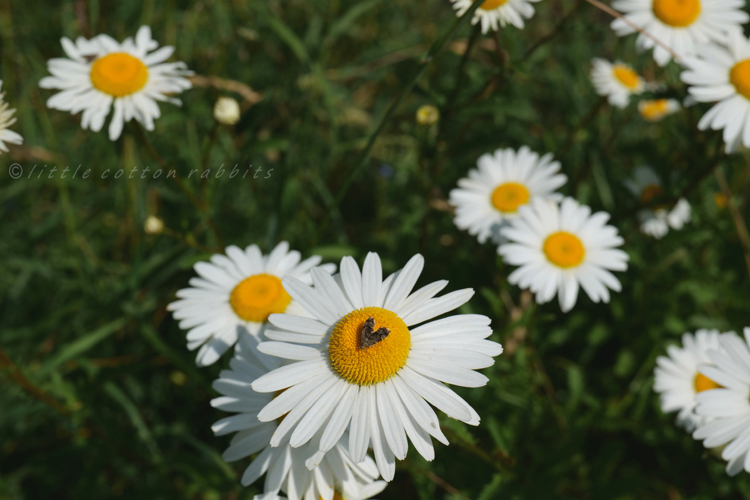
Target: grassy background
{"x": 99, "y": 397}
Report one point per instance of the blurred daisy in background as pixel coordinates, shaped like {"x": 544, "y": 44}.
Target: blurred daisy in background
{"x": 727, "y": 405}
{"x": 503, "y": 182}
{"x": 722, "y": 74}
{"x": 616, "y": 81}
{"x": 560, "y": 248}
{"x": 681, "y": 25}
{"x": 336, "y": 475}
{"x": 101, "y": 74}
{"x": 494, "y": 14}
{"x": 361, "y": 365}
{"x": 235, "y": 294}
{"x": 646, "y": 186}
{"x": 655, "y": 110}
{"x": 677, "y": 380}
{"x": 6, "y": 120}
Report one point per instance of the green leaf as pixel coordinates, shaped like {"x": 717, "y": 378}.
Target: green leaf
{"x": 70, "y": 351}
{"x": 289, "y": 37}
{"x": 341, "y": 25}
{"x": 135, "y": 418}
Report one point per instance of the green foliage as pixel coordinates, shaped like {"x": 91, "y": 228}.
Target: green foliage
{"x": 99, "y": 397}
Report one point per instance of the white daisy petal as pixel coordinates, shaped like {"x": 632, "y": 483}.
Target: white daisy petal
{"x": 504, "y": 183}
{"x": 563, "y": 247}
{"x": 358, "y": 367}
{"x": 285, "y": 466}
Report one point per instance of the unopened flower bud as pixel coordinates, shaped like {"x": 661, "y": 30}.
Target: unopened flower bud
{"x": 227, "y": 111}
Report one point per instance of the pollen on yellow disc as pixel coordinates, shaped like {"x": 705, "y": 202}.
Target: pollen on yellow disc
{"x": 650, "y": 192}
{"x": 257, "y": 297}
{"x": 653, "y": 110}
{"x": 492, "y": 4}
{"x": 373, "y": 364}
{"x": 703, "y": 383}
{"x": 677, "y": 13}
{"x": 626, "y": 76}
{"x": 739, "y": 75}
{"x": 509, "y": 196}
{"x": 119, "y": 74}
{"x": 564, "y": 249}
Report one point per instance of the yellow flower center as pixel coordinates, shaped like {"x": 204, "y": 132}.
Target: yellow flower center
{"x": 336, "y": 496}
{"x": 376, "y": 363}
{"x": 626, "y": 76}
{"x": 653, "y": 110}
{"x": 427, "y": 114}
{"x": 564, "y": 249}
{"x": 492, "y": 4}
{"x": 650, "y": 192}
{"x": 721, "y": 200}
{"x": 257, "y": 297}
{"x": 739, "y": 75}
{"x": 509, "y": 196}
{"x": 677, "y": 13}
{"x": 703, "y": 383}
{"x": 119, "y": 74}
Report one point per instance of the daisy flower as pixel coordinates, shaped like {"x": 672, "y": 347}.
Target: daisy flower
{"x": 363, "y": 366}
{"x": 655, "y": 110}
{"x": 100, "y": 74}
{"x": 560, "y": 248}
{"x": 677, "y": 379}
{"x": 616, "y": 81}
{"x": 727, "y": 405}
{"x": 502, "y": 183}
{"x": 682, "y": 25}
{"x": 336, "y": 476}
{"x": 494, "y": 12}
{"x": 236, "y": 293}
{"x": 6, "y": 120}
{"x": 646, "y": 186}
{"x": 722, "y": 75}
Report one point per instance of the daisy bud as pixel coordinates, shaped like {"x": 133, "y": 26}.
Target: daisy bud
{"x": 227, "y": 111}
{"x": 153, "y": 225}
{"x": 427, "y": 115}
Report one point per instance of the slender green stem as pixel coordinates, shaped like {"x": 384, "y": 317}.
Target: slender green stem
{"x": 460, "y": 75}
{"x": 406, "y": 90}
{"x": 201, "y": 206}
{"x": 206, "y": 156}
{"x": 552, "y": 34}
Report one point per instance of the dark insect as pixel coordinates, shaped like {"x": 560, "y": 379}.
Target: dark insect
{"x": 368, "y": 337}
{"x": 89, "y": 57}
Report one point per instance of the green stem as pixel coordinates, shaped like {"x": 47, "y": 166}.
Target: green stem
{"x": 406, "y": 90}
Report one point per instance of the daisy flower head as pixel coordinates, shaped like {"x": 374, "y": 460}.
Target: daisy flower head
{"x": 6, "y": 120}
{"x": 655, "y": 110}
{"x": 362, "y": 365}
{"x": 727, "y": 405}
{"x": 722, "y": 75}
{"x": 615, "y": 81}
{"x": 336, "y": 475}
{"x": 646, "y": 185}
{"x": 497, "y": 12}
{"x": 502, "y": 182}
{"x": 677, "y": 379}
{"x": 681, "y": 25}
{"x": 100, "y": 74}
{"x": 236, "y": 293}
{"x": 561, "y": 247}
